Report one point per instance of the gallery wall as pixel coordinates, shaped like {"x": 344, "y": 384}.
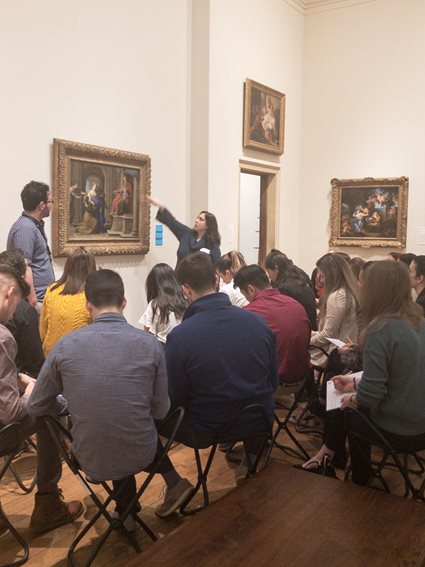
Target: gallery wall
{"x": 363, "y": 113}
{"x": 112, "y": 74}
{"x": 262, "y": 41}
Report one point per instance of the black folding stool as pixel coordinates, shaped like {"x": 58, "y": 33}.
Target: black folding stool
{"x": 58, "y": 432}
{"x": 10, "y": 443}
{"x": 399, "y": 459}
{"x": 222, "y": 436}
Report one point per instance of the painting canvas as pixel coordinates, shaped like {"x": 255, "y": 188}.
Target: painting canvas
{"x": 100, "y": 200}
{"x": 264, "y": 118}
{"x": 369, "y": 212}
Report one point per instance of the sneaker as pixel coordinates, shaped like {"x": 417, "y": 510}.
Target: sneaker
{"x": 50, "y": 511}
{"x": 241, "y": 474}
{"x": 174, "y": 498}
{"x": 129, "y": 523}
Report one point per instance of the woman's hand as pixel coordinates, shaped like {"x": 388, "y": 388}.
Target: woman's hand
{"x": 347, "y": 346}
{"x": 156, "y": 203}
{"x": 349, "y": 401}
{"x": 343, "y": 383}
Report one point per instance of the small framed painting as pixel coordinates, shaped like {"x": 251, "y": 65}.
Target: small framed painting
{"x": 264, "y": 118}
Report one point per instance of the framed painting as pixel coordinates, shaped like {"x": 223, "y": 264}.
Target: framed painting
{"x": 100, "y": 200}
{"x": 369, "y": 212}
{"x": 264, "y": 118}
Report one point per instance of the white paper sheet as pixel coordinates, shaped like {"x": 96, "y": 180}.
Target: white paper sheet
{"x": 333, "y": 397}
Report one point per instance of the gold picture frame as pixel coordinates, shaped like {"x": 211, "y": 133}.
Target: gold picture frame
{"x": 369, "y": 212}
{"x": 100, "y": 199}
{"x": 264, "y": 118}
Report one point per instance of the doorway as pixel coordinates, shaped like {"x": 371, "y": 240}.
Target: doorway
{"x": 258, "y": 210}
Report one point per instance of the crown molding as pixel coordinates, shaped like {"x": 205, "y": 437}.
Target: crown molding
{"x": 312, "y": 6}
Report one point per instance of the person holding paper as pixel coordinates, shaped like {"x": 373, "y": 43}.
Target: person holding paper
{"x": 392, "y": 390}
{"x": 339, "y": 307}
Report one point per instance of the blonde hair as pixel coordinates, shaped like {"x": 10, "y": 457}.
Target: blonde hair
{"x": 232, "y": 261}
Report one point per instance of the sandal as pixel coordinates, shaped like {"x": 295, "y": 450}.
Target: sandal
{"x": 313, "y": 469}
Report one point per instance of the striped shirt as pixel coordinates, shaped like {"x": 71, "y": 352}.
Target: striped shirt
{"x": 27, "y": 233}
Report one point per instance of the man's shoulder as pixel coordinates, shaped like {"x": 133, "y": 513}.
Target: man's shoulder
{"x": 22, "y": 223}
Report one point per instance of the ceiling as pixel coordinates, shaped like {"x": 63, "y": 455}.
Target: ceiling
{"x": 312, "y": 6}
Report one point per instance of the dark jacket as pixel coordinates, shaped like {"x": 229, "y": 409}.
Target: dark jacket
{"x": 187, "y": 238}
{"x": 304, "y": 295}
{"x": 220, "y": 359}
{"x": 25, "y": 331}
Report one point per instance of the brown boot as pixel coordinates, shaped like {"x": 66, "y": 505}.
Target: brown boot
{"x": 50, "y": 511}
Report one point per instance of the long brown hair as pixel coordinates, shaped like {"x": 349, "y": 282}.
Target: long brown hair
{"x": 386, "y": 293}
{"x": 338, "y": 275}
{"x": 211, "y": 236}
{"x": 78, "y": 266}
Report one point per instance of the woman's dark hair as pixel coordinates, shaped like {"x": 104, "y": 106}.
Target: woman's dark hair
{"x": 232, "y": 261}
{"x": 288, "y": 272}
{"x": 163, "y": 289}
{"x": 394, "y": 255}
{"x": 78, "y": 266}
{"x": 211, "y": 236}
{"x": 356, "y": 265}
{"x": 386, "y": 293}
{"x": 406, "y": 258}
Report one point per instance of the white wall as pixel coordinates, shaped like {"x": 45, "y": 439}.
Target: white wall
{"x": 261, "y": 40}
{"x": 111, "y": 73}
{"x": 364, "y": 112}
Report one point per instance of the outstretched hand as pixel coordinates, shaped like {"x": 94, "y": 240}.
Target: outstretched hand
{"x": 156, "y": 203}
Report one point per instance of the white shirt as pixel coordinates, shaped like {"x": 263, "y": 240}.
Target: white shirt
{"x": 235, "y": 295}
{"x": 160, "y": 331}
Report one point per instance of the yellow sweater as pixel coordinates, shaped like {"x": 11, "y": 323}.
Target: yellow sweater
{"x": 61, "y": 314}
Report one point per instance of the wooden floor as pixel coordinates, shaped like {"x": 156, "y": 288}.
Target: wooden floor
{"x": 50, "y": 549}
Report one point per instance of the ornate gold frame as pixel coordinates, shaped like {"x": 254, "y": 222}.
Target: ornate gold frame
{"x": 338, "y": 186}
{"x": 64, "y": 242}
{"x": 248, "y": 142}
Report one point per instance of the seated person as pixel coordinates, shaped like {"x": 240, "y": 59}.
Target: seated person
{"x": 392, "y": 389}
{"x": 113, "y": 376}
{"x": 286, "y": 318}
{"x": 50, "y": 510}
{"x": 219, "y": 360}
{"x": 24, "y": 325}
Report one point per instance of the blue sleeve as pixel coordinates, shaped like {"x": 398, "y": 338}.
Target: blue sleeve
{"x": 178, "y": 381}
{"x": 215, "y": 254}
{"x": 177, "y": 228}
{"x": 23, "y": 238}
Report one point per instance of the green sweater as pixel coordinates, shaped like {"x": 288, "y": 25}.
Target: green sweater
{"x": 393, "y": 383}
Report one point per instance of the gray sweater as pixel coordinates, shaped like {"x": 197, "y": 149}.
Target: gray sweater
{"x": 393, "y": 383}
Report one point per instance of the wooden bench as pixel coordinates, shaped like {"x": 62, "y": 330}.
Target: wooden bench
{"x": 287, "y": 517}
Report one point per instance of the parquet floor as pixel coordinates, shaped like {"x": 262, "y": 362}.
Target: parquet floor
{"x": 50, "y": 549}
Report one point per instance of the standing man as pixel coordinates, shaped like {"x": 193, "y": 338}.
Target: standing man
{"x": 27, "y": 234}
{"x": 286, "y": 318}
{"x": 50, "y": 510}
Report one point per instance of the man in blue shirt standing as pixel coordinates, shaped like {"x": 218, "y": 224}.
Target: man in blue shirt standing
{"x": 27, "y": 234}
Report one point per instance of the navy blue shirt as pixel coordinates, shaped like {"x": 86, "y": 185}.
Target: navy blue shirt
{"x": 187, "y": 238}
{"x": 220, "y": 359}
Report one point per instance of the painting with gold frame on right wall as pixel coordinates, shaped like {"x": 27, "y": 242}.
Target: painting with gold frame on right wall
{"x": 369, "y": 212}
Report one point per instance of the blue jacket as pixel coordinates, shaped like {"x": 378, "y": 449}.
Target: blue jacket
{"x": 220, "y": 359}
{"x": 187, "y": 238}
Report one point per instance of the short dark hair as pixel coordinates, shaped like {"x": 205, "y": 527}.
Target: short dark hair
{"x": 10, "y": 273}
{"x": 251, "y": 275}
{"x": 407, "y": 258}
{"x": 33, "y": 194}
{"x": 104, "y": 288}
{"x": 197, "y": 271}
{"x": 419, "y": 262}
{"x": 14, "y": 258}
